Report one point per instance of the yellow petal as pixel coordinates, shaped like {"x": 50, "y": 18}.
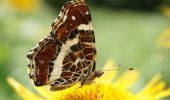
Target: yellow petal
{"x": 24, "y": 5}
{"x": 151, "y": 85}
{"x": 127, "y": 79}
{"x": 22, "y": 91}
{"x": 110, "y": 73}
{"x": 44, "y": 92}
{"x": 164, "y": 39}
{"x": 154, "y": 90}
{"x": 162, "y": 94}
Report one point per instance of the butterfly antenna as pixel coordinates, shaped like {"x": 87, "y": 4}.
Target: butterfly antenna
{"x": 116, "y": 68}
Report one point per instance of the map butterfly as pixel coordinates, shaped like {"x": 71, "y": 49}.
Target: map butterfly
{"x": 68, "y": 55}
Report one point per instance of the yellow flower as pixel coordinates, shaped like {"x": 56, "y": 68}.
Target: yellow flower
{"x": 164, "y": 39}
{"x": 166, "y": 10}
{"x": 23, "y": 5}
{"x": 101, "y": 89}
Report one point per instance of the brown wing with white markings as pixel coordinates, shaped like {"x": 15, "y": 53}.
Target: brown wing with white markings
{"x": 73, "y": 29}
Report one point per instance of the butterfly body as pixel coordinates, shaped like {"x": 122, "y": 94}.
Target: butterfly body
{"x": 68, "y": 55}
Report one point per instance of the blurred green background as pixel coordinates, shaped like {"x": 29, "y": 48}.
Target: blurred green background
{"x": 134, "y": 33}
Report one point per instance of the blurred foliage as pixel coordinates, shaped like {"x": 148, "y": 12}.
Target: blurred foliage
{"x": 131, "y": 38}
{"x": 164, "y": 39}
{"x": 166, "y": 11}
{"x": 131, "y": 4}
{"x": 143, "y": 5}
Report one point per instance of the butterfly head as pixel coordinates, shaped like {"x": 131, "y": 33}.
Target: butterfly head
{"x": 91, "y": 78}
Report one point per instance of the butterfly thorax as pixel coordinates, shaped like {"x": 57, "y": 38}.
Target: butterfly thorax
{"x": 90, "y": 78}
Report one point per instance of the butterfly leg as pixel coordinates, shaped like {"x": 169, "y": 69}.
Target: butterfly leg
{"x": 57, "y": 88}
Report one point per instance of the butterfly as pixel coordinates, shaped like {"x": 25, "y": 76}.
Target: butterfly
{"x": 68, "y": 54}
